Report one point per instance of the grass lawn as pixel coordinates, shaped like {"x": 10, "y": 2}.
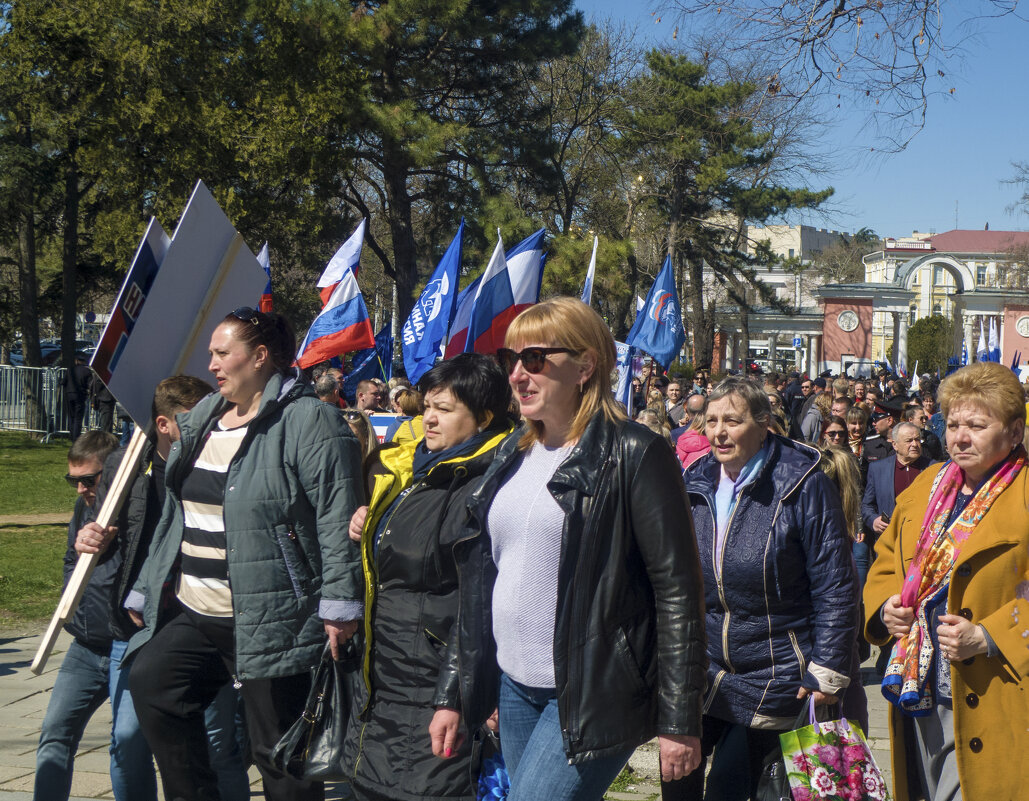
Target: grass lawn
{"x": 30, "y": 573}
{"x": 32, "y": 476}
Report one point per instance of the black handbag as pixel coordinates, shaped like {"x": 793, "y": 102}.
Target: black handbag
{"x": 312, "y": 748}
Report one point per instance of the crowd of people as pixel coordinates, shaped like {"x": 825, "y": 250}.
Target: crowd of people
{"x": 512, "y": 550}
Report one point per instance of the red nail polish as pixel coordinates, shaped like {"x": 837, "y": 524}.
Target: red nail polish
{"x": 448, "y": 752}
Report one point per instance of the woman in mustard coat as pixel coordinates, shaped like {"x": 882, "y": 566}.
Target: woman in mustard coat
{"x": 949, "y": 589}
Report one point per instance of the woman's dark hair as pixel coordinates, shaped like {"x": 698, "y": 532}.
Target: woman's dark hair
{"x": 477, "y": 381}
{"x": 272, "y": 330}
{"x": 836, "y": 420}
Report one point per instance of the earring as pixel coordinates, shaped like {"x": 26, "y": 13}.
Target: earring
{"x": 582, "y": 388}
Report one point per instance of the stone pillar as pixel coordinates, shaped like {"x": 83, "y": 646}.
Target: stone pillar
{"x": 773, "y": 340}
{"x": 958, "y": 317}
{"x": 814, "y": 364}
{"x": 902, "y": 345}
{"x": 718, "y": 354}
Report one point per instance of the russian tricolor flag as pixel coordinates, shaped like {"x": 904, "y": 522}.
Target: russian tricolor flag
{"x": 343, "y": 325}
{"x": 458, "y": 335}
{"x": 493, "y": 304}
{"x": 525, "y": 268}
{"x": 264, "y": 304}
{"x": 510, "y": 284}
{"x": 347, "y": 259}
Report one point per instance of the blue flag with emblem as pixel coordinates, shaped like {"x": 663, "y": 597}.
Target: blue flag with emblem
{"x": 430, "y": 319}
{"x": 658, "y": 329}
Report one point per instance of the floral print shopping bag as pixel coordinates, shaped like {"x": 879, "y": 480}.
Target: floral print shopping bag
{"x": 830, "y": 760}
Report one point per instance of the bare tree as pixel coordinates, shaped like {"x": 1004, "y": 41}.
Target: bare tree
{"x": 887, "y": 56}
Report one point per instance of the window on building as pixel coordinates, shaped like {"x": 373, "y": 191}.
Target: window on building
{"x": 791, "y": 253}
{"x": 980, "y": 275}
{"x": 937, "y": 276}
{"x": 937, "y": 311}
{"x": 912, "y": 314}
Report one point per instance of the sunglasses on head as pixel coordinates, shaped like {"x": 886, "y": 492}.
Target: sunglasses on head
{"x": 246, "y": 314}
{"x": 532, "y": 359}
{"x": 88, "y": 480}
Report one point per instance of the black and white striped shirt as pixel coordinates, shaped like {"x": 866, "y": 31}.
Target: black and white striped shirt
{"x": 203, "y": 583}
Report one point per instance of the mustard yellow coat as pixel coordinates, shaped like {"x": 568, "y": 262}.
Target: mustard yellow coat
{"x": 988, "y": 586}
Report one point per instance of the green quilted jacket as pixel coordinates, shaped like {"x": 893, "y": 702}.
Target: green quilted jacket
{"x": 290, "y": 493}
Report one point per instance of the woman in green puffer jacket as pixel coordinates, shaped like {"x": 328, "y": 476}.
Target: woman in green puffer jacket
{"x": 250, "y": 566}
{"x": 412, "y": 540}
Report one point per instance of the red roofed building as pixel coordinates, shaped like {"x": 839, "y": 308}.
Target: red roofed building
{"x": 993, "y": 243}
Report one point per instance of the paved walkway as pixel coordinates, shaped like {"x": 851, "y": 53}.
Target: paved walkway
{"x": 23, "y": 700}
{"x": 48, "y": 519}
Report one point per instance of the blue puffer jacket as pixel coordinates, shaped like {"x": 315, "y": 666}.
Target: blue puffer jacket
{"x": 784, "y": 610}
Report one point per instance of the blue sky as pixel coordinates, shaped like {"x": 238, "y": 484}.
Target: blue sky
{"x": 962, "y": 156}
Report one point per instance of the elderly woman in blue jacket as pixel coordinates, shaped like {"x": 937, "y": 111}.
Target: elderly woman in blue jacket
{"x": 780, "y": 586}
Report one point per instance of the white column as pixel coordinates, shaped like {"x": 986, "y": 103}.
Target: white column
{"x": 814, "y": 366}
{"x": 902, "y": 344}
{"x": 773, "y": 340}
{"x": 896, "y": 337}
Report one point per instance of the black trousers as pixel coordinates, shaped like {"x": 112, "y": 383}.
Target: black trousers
{"x": 76, "y": 414}
{"x": 736, "y": 770}
{"x": 176, "y": 675}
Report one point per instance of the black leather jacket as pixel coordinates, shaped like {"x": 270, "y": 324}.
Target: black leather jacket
{"x": 629, "y": 644}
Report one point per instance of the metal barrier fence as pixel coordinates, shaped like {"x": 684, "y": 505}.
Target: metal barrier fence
{"x": 32, "y": 400}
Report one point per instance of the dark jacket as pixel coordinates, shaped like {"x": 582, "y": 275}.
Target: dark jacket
{"x": 629, "y": 629}
{"x": 136, "y": 522}
{"x": 879, "y": 498}
{"x": 785, "y": 611}
{"x": 291, "y": 490}
{"x": 91, "y": 623}
{"x": 874, "y": 448}
{"x": 411, "y": 599}
{"x": 932, "y": 447}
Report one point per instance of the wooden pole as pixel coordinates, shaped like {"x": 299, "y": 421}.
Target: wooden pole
{"x": 112, "y": 504}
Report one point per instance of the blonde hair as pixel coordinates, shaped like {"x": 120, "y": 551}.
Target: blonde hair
{"x": 988, "y": 385}
{"x": 841, "y": 468}
{"x": 570, "y": 323}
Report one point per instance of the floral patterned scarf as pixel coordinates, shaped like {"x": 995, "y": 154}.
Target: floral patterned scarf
{"x": 906, "y": 683}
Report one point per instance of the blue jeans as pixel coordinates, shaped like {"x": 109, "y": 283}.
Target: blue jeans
{"x": 863, "y": 559}
{"x": 533, "y": 748}
{"x": 84, "y": 682}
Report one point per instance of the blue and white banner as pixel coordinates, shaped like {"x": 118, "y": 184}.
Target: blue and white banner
{"x": 624, "y": 363}
{"x": 658, "y": 329}
{"x": 427, "y": 326}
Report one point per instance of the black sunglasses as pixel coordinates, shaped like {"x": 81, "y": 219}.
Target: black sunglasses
{"x": 532, "y": 359}
{"x": 247, "y": 315}
{"x": 88, "y": 480}
{"x": 836, "y": 434}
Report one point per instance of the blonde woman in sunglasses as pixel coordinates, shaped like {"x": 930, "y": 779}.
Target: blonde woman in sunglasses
{"x": 589, "y": 614}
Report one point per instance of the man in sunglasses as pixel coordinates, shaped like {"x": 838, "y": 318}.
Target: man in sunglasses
{"x": 87, "y": 674}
